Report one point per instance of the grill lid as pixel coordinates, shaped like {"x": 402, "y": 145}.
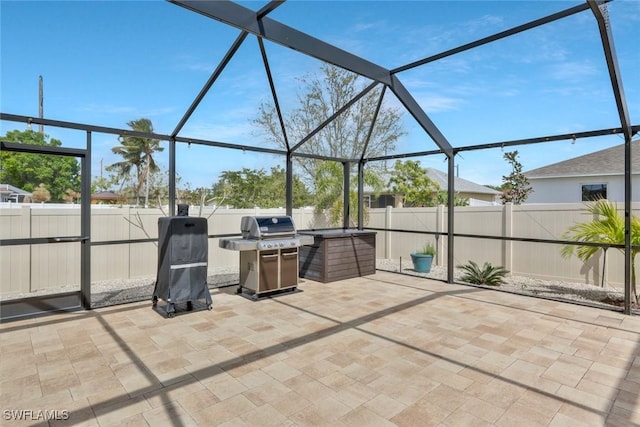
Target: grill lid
{"x": 261, "y": 227}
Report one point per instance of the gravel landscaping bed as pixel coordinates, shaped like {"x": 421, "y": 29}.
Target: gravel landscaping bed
{"x": 565, "y": 291}
{"x": 121, "y": 291}
{"x": 111, "y": 292}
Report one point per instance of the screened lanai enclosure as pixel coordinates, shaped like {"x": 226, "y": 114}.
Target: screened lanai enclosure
{"x": 331, "y": 104}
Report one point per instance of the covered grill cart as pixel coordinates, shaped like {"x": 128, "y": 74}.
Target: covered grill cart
{"x": 182, "y": 262}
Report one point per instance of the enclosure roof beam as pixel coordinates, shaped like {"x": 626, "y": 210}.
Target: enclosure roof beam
{"x": 334, "y": 115}
{"x": 269, "y": 29}
{"x": 612, "y": 64}
{"x": 269, "y": 7}
{"x": 373, "y": 123}
{"x": 505, "y": 144}
{"x": 247, "y": 20}
{"x": 421, "y": 117}
{"x": 274, "y": 94}
{"x": 214, "y": 76}
{"x": 561, "y": 137}
{"x": 81, "y": 126}
{"x": 494, "y": 37}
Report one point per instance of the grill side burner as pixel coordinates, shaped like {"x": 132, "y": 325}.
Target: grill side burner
{"x": 268, "y": 254}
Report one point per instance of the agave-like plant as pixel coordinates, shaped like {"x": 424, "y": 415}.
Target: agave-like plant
{"x": 606, "y": 227}
{"x": 487, "y": 275}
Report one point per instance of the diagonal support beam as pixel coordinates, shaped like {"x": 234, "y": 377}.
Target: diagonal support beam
{"x": 214, "y": 76}
{"x": 247, "y": 20}
{"x": 416, "y": 111}
{"x": 498, "y": 36}
{"x": 612, "y": 64}
{"x": 599, "y": 9}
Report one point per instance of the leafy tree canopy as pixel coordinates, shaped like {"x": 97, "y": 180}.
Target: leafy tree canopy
{"x": 137, "y": 155}
{"x": 417, "y": 189}
{"x": 516, "y": 187}
{"x": 27, "y": 171}
{"x": 346, "y": 137}
{"x": 412, "y": 182}
{"x": 248, "y": 188}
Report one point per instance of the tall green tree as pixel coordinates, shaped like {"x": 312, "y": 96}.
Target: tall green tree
{"x": 516, "y": 187}
{"x": 324, "y": 93}
{"x": 248, "y": 188}
{"x": 137, "y": 155}
{"x": 27, "y": 171}
{"x": 607, "y": 226}
{"x": 412, "y": 181}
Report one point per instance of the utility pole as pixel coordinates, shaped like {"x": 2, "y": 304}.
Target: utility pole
{"x": 41, "y": 104}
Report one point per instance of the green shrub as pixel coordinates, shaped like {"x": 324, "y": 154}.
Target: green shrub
{"x": 427, "y": 249}
{"x": 487, "y": 275}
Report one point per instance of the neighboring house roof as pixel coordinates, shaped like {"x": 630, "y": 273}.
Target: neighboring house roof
{"x": 460, "y": 185}
{"x": 10, "y": 189}
{"x": 604, "y": 162}
{"x": 106, "y": 195}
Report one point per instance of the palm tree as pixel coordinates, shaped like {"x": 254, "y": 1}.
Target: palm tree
{"x": 607, "y": 227}
{"x": 137, "y": 152}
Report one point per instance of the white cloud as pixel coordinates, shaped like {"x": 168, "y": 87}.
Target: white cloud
{"x": 111, "y": 109}
{"x": 438, "y": 103}
{"x": 572, "y": 70}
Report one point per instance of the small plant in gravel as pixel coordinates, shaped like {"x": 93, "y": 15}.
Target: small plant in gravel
{"x": 487, "y": 275}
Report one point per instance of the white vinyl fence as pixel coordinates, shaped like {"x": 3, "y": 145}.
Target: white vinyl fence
{"x": 25, "y": 269}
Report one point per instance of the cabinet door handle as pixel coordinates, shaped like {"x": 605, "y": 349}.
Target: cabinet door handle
{"x": 290, "y": 254}
{"x": 269, "y": 256}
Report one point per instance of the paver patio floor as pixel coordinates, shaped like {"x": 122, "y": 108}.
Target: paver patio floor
{"x": 381, "y": 350}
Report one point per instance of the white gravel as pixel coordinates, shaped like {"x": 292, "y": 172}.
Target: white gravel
{"x": 120, "y": 291}
{"x": 565, "y": 291}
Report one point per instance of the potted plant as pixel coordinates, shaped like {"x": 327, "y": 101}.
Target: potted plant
{"x": 423, "y": 257}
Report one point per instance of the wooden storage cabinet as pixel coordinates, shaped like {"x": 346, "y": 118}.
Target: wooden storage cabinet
{"x": 338, "y": 254}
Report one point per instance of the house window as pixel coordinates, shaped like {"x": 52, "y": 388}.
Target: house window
{"x": 591, "y": 192}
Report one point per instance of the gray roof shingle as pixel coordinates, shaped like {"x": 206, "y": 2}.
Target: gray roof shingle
{"x": 604, "y": 162}
{"x": 461, "y": 185}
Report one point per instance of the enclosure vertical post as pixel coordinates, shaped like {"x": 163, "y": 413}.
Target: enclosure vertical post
{"x": 601, "y": 13}
{"x": 289, "y": 184}
{"x": 360, "y": 195}
{"x": 628, "y": 259}
{"x": 439, "y": 240}
{"x": 172, "y": 177}
{"x": 387, "y": 234}
{"x": 85, "y": 227}
{"x": 345, "y": 187}
{"x": 450, "y": 216}
{"x": 507, "y": 231}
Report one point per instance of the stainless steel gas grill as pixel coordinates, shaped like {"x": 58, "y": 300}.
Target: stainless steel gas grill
{"x": 268, "y": 254}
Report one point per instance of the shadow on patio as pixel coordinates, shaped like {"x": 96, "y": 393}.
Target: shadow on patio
{"x": 386, "y": 349}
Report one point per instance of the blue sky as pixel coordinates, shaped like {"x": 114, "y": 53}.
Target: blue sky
{"x": 109, "y": 62}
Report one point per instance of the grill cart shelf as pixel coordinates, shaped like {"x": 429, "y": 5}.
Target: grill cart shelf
{"x": 182, "y": 262}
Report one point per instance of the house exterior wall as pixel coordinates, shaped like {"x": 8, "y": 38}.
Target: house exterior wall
{"x": 569, "y": 189}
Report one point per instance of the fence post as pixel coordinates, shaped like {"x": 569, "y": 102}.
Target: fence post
{"x": 507, "y": 245}
{"x": 26, "y": 223}
{"x": 440, "y": 217}
{"x": 387, "y": 235}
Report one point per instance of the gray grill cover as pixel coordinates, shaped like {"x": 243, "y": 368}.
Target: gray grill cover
{"x": 182, "y": 259}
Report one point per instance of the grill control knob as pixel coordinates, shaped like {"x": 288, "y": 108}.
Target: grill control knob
{"x": 281, "y": 244}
